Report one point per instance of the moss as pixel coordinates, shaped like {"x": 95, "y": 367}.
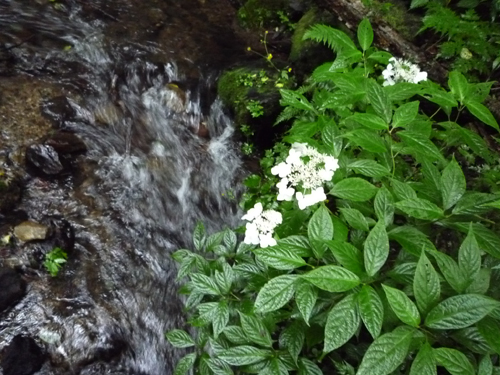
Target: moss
{"x": 260, "y": 13}
{"x": 396, "y": 14}
{"x": 232, "y": 92}
{"x": 300, "y": 46}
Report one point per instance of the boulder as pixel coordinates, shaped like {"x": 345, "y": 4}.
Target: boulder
{"x": 22, "y": 357}
{"x": 31, "y": 231}
{"x": 44, "y": 159}
{"x": 13, "y": 288}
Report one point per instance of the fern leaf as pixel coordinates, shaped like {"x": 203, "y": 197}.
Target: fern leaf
{"x": 333, "y": 38}
{"x": 287, "y": 114}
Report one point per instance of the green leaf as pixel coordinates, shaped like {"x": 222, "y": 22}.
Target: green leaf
{"x": 474, "y": 203}
{"x": 488, "y": 240}
{"x": 411, "y": 239}
{"x": 296, "y": 100}
{"x": 403, "y": 190}
{"x": 459, "y": 86}
{"x": 403, "y": 273}
{"x": 424, "y": 363}
{"x": 332, "y": 278}
{"x": 354, "y": 188}
{"x": 275, "y": 293}
{"x": 298, "y": 244}
{"x": 386, "y": 353}
{"x": 381, "y": 57}
{"x": 335, "y": 39}
{"x": 204, "y": 284}
{"x": 420, "y": 209}
{"x": 292, "y": 338}
{"x": 371, "y": 310}
{"x": 451, "y": 271}
{"x": 219, "y": 367}
{"x": 355, "y": 218}
{"x": 229, "y": 239}
{"x": 482, "y": 113}
{"x": 426, "y": 285}
{"x": 320, "y": 229}
{"x": 384, "y": 206}
{"x": 416, "y": 4}
{"x": 370, "y": 121}
{"x": 402, "y": 90}
{"x": 236, "y": 335}
{"x": 279, "y": 257}
{"x": 485, "y": 366}
{"x": 420, "y": 144}
{"x": 460, "y": 311}
{"x": 369, "y": 168}
{"x": 243, "y": 355}
{"x": 481, "y": 282}
{"x": 379, "y": 100}
{"x": 305, "y": 298}
{"x": 365, "y": 34}
{"x": 469, "y": 257}
{"x": 443, "y": 98}
{"x": 489, "y": 329}
{"x": 255, "y": 330}
{"x": 453, "y": 184}
{"x": 220, "y": 318}
{"x": 368, "y": 140}
{"x": 342, "y": 323}
{"x": 376, "y": 249}
{"x": 347, "y": 255}
{"x": 179, "y": 338}
{"x": 476, "y": 143}
{"x": 330, "y": 136}
{"x": 185, "y": 364}
{"x": 307, "y": 367}
{"x": 274, "y": 366}
{"x": 403, "y": 307}
{"x": 454, "y": 361}
{"x": 405, "y": 114}
{"x": 199, "y": 236}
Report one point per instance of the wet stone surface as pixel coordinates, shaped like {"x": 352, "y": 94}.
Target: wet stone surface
{"x": 22, "y": 357}
{"x": 12, "y": 288}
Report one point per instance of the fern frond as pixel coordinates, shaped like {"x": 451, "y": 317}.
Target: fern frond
{"x": 287, "y": 114}
{"x": 333, "y": 38}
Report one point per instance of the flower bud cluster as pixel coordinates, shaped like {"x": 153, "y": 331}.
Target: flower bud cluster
{"x": 305, "y": 169}
{"x": 400, "y": 70}
{"x": 260, "y": 229}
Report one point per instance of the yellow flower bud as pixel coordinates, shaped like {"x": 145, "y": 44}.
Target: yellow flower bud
{"x": 269, "y": 57}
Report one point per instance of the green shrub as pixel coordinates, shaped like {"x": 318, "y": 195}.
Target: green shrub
{"x": 396, "y": 272}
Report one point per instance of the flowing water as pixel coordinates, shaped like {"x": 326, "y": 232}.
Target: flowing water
{"x": 140, "y": 95}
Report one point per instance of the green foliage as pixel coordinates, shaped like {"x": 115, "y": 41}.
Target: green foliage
{"x": 398, "y": 272}
{"x": 54, "y": 260}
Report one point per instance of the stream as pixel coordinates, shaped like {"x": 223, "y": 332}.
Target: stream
{"x": 136, "y": 84}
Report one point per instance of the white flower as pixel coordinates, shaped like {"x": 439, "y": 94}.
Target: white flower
{"x": 260, "y": 229}
{"x": 282, "y": 169}
{"x": 306, "y": 200}
{"x": 399, "y": 70}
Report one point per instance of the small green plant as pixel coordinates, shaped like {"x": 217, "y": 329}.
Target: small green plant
{"x": 285, "y": 20}
{"x": 255, "y": 108}
{"x": 54, "y": 260}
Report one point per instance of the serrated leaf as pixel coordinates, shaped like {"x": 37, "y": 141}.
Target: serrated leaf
{"x": 354, "y": 188}
{"x": 305, "y": 298}
{"x": 275, "y": 293}
{"x": 424, "y": 363}
{"x": 365, "y": 34}
{"x": 370, "y": 121}
{"x": 347, "y": 255}
{"x": 459, "y": 86}
{"x": 179, "y": 338}
{"x": 369, "y": 168}
{"x": 442, "y": 98}
{"x": 451, "y": 271}
{"x": 403, "y": 307}
{"x": 403, "y": 273}
{"x": 341, "y": 324}
{"x": 371, "y": 310}
{"x": 474, "y": 203}
{"x": 469, "y": 257}
{"x": 229, "y": 239}
{"x": 298, "y": 244}
{"x": 453, "y": 184}
{"x": 236, "y": 335}
{"x": 426, "y": 285}
{"x": 243, "y": 355}
{"x": 454, "y": 361}
{"x": 219, "y": 367}
{"x": 379, "y": 100}
{"x": 489, "y": 329}
{"x": 386, "y": 353}
{"x": 330, "y": 136}
{"x": 307, "y": 367}
{"x": 482, "y": 113}
{"x": 485, "y": 366}
{"x": 471, "y": 339}
{"x": 273, "y": 367}
{"x": 185, "y": 364}
{"x": 420, "y": 209}
{"x": 279, "y": 257}
{"x": 402, "y": 90}
{"x": 402, "y": 190}
{"x": 335, "y": 39}
{"x": 368, "y": 140}
{"x": 204, "y": 284}
{"x": 405, "y": 114}
{"x": 376, "y": 249}
{"x": 421, "y": 144}
{"x": 332, "y": 278}
{"x": 220, "y": 318}
{"x": 255, "y": 330}
{"x": 320, "y": 229}
{"x": 460, "y": 311}
{"x": 355, "y": 218}
{"x": 199, "y": 236}
{"x": 292, "y": 338}
{"x": 384, "y": 206}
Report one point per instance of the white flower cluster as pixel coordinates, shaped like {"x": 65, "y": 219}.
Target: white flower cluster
{"x": 307, "y": 169}
{"x": 400, "y": 70}
{"x": 259, "y": 230}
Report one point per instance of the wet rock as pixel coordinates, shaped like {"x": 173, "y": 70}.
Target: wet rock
{"x": 58, "y": 110}
{"x": 66, "y": 143}
{"x": 44, "y": 158}
{"x": 22, "y": 357}
{"x": 10, "y": 193}
{"x": 63, "y": 235}
{"x": 31, "y": 231}
{"x": 13, "y": 288}
{"x": 175, "y": 98}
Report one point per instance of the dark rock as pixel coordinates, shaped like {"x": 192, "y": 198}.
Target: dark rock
{"x": 13, "y": 288}
{"x": 63, "y": 235}
{"x": 66, "y": 143}
{"x": 22, "y": 357}
{"x": 44, "y": 159}
{"x": 58, "y": 110}
{"x": 10, "y": 194}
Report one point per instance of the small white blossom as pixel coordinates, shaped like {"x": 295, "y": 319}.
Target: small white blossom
{"x": 259, "y": 230}
{"x": 400, "y": 70}
{"x": 305, "y": 169}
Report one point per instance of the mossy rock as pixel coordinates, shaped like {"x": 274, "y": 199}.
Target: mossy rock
{"x": 396, "y": 14}
{"x": 260, "y": 13}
